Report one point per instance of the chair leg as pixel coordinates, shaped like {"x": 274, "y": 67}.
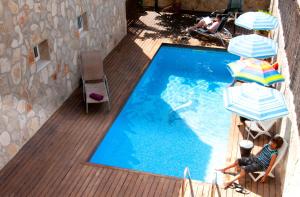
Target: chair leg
{"x": 108, "y": 105}
{"x": 83, "y": 90}
{"x": 106, "y": 84}
{"x": 250, "y": 133}
{"x": 86, "y": 107}
{"x": 220, "y": 37}
{"x": 260, "y": 174}
{"x": 107, "y": 92}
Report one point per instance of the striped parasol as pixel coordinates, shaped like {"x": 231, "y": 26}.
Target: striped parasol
{"x": 257, "y": 21}
{"x": 254, "y": 70}
{"x": 255, "y": 102}
{"x": 252, "y": 46}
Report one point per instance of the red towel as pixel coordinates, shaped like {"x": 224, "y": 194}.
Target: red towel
{"x": 275, "y": 66}
{"x": 97, "y": 97}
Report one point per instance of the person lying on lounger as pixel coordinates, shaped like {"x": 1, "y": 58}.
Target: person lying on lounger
{"x": 262, "y": 161}
{"x": 207, "y": 24}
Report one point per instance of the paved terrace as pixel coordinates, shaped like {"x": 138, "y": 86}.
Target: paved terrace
{"x": 54, "y": 161}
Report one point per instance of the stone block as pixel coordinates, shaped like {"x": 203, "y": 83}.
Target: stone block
{"x": 37, "y": 7}
{"x": 16, "y": 57}
{"x": 54, "y": 8}
{"x": 34, "y": 27}
{"x": 34, "y": 124}
{"x": 4, "y": 85}
{"x": 1, "y": 9}
{"x": 2, "y": 49}
{"x": 4, "y": 138}
{"x": 16, "y": 74}
{"x": 21, "y": 106}
{"x": 9, "y": 102}
{"x": 14, "y": 43}
{"x": 12, "y": 149}
{"x": 2, "y": 123}
{"x": 30, "y": 57}
{"x": 28, "y": 108}
{"x": 4, "y": 65}
{"x": 13, "y": 7}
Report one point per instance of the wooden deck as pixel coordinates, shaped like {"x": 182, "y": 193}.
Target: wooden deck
{"x": 54, "y": 161}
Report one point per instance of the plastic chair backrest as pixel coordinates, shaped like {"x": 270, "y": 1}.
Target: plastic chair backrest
{"x": 281, "y": 153}
{"x": 91, "y": 65}
{"x": 221, "y": 26}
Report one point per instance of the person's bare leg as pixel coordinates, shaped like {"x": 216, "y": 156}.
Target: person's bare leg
{"x": 200, "y": 24}
{"x": 235, "y": 164}
{"x": 240, "y": 175}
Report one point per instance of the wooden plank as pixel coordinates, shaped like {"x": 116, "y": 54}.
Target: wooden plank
{"x": 83, "y": 187}
{"x": 102, "y": 183}
{"x": 206, "y": 190}
{"x": 159, "y": 187}
{"x": 136, "y": 188}
{"x": 108, "y": 183}
{"x": 143, "y": 184}
{"x": 116, "y": 182}
{"x": 46, "y": 161}
{"x": 177, "y": 188}
{"x": 68, "y": 153}
{"x": 131, "y": 186}
{"x": 165, "y": 187}
{"x": 154, "y": 186}
{"x": 126, "y": 184}
{"x": 199, "y": 190}
{"x": 76, "y": 180}
{"x": 121, "y": 182}
{"x": 147, "y": 187}
{"x": 100, "y": 173}
{"x": 171, "y": 188}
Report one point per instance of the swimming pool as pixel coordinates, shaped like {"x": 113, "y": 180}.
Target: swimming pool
{"x": 174, "y": 117}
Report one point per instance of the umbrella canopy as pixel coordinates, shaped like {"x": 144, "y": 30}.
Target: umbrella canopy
{"x": 252, "y": 46}
{"x": 254, "y": 70}
{"x": 257, "y": 21}
{"x": 255, "y": 102}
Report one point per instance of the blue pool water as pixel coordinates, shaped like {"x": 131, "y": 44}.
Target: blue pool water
{"x": 174, "y": 118}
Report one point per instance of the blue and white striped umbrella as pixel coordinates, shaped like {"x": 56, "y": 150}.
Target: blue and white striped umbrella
{"x": 257, "y": 21}
{"x": 255, "y": 102}
{"x": 252, "y": 45}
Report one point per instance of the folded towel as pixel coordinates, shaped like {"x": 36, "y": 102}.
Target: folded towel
{"x": 97, "y": 97}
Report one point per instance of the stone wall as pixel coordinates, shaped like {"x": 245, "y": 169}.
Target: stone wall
{"x": 29, "y": 96}
{"x": 290, "y": 167}
{"x": 210, "y": 5}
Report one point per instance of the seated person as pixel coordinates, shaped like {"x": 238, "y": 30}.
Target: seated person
{"x": 207, "y": 24}
{"x": 262, "y": 161}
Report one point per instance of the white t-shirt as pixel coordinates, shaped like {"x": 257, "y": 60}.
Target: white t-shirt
{"x": 207, "y": 20}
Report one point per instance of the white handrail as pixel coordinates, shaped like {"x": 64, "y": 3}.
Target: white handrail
{"x": 186, "y": 174}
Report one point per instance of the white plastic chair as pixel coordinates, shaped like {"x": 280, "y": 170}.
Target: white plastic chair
{"x": 259, "y": 127}
{"x": 281, "y": 153}
{"x": 93, "y": 77}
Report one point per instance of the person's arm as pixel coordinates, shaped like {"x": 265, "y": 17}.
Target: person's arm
{"x": 273, "y": 159}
